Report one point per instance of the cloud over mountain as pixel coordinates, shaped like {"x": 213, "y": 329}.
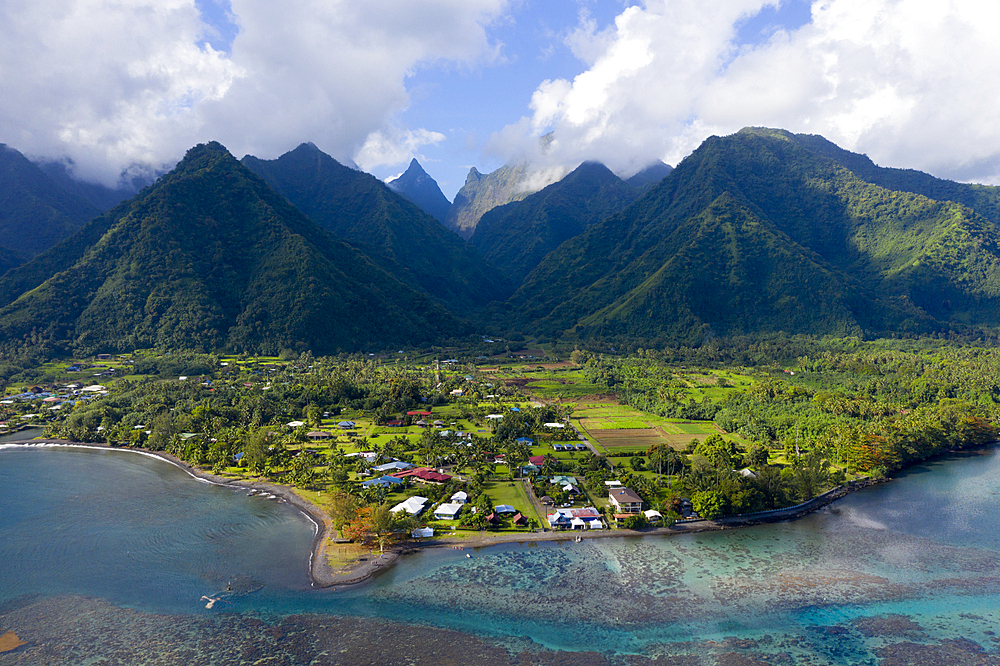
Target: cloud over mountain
{"x": 897, "y": 79}
{"x": 111, "y": 84}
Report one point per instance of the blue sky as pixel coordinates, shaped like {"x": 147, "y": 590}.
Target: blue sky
{"x": 125, "y": 86}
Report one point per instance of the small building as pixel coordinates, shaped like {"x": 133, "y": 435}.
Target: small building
{"x": 318, "y": 435}
{"x": 585, "y": 518}
{"x": 425, "y": 474}
{"x": 448, "y": 511}
{"x": 394, "y": 466}
{"x": 624, "y": 500}
{"x": 423, "y": 532}
{"x": 653, "y": 517}
{"x": 413, "y": 505}
{"x": 383, "y": 481}
{"x": 461, "y": 497}
{"x": 519, "y": 519}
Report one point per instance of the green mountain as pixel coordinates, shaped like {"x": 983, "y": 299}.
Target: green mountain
{"x": 756, "y": 232}
{"x": 649, "y": 175}
{"x": 210, "y": 257}
{"x": 515, "y": 237}
{"x": 405, "y": 240}
{"x": 35, "y": 212}
{"x": 100, "y": 196}
{"x": 482, "y": 193}
{"x": 417, "y": 186}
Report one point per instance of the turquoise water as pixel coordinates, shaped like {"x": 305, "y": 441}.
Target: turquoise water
{"x": 106, "y": 555}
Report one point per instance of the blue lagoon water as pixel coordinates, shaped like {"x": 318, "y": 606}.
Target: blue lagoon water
{"x": 105, "y": 557}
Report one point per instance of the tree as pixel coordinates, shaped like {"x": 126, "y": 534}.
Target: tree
{"x": 378, "y": 524}
{"x": 342, "y": 507}
{"x": 709, "y": 504}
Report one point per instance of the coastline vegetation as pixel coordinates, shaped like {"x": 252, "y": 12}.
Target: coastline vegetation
{"x": 717, "y": 430}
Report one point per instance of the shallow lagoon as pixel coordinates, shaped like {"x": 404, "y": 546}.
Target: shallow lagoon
{"x": 105, "y": 555}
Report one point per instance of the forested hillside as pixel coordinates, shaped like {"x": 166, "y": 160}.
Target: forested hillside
{"x": 755, "y": 233}
{"x": 515, "y": 237}
{"x": 407, "y": 242}
{"x": 35, "y": 212}
{"x": 211, "y": 258}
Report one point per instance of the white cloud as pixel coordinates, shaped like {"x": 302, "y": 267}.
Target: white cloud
{"x": 115, "y": 82}
{"x": 394, "y": 146}
{"x": 910, "y": 82}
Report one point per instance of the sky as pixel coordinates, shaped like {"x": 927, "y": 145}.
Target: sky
{"x": 127, "y": 86}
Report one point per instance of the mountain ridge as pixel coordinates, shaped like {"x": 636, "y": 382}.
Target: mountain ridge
{"x": 416, "y": 185}
{"x": 211, "y": 258}
{"x": 362, "y": 210}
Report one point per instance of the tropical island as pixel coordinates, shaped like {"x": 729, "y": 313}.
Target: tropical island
{"x": 773, "y": 318}
{"x": 507, "y": 442}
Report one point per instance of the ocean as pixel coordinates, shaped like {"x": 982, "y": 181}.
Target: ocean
{"x": 111, "y": 557}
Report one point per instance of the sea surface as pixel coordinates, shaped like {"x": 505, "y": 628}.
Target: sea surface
{"x": 111, "y": 557}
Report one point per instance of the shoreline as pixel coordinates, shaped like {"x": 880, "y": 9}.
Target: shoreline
{"x": 323, "y": 576}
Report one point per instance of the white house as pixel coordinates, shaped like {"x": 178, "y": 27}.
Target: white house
{"x": 448, "y": 511}
{"x": 412, "y": 506}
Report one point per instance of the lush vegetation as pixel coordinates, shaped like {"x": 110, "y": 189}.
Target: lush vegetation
{"x": 515, "y": 237}
{"x": 712, "y": 438}
{"x": 406, "y": 241}
{"x": 211, "y": 258}
{"x": 757, "y": 234}
{"x": 35, "y": 212}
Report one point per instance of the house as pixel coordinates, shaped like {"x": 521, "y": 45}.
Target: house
{"x": 525, "y": 440}
{"x": 345, "y": 425}
{"x": 560, "y": 480}
{"x": 461, "y": 497}
{"x": 554, "y": 425}
{"x": 317, "y": 435}
{"x": 395, "y": 424}
{"x": 423, "y": 532}
{"x": 585, "y": 518}
{"x": 412, "y": 505}
{"x": 519, "y": 519}
{"x": 570, "y": 489}
{"x": 537, "y": 460}
{"x": 448, "y": 511}
{"x": 395, "y": 466}
{"x": 548, "y": 501}
{"x": 425, "y": 474}
{"x": 653, "y": 516}
{"x": 624, "y": 500}
{"x": 383, "y": 481}
{"x": 504, "y": 508}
